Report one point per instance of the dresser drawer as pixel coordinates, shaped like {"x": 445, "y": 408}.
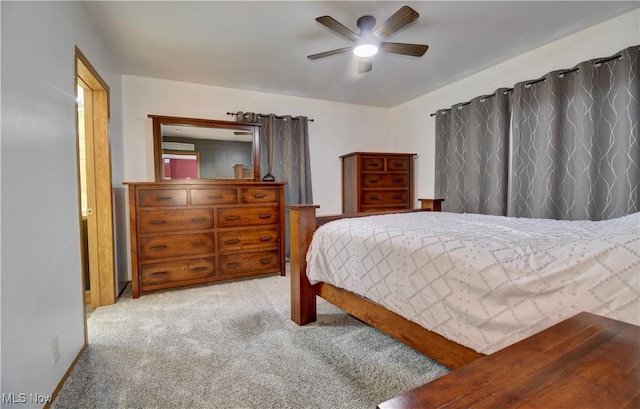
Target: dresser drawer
{"x": 243, "y": 240}
{"x": 372, "y": 163}
{"x": 159, "y": 221}
{"x": 389, "y": 197}
{"x": 215, "y": 196}
{"x": 258, "y": 195}
{"x": 175, "y": 245}
{"x": 260, "y": 262}
{"x": 173, "y": 271}
{"x": 162, "y": 197}
{"x": 398, "y": 164}
{"x": 247, "y": 216}
{"x": 385, "y": 180}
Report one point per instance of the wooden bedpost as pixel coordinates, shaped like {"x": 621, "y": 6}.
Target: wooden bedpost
{"x": 302, "y": 219}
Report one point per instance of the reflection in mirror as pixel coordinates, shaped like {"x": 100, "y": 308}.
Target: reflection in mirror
{"x": 186, "y": 148}
{"x": 180, "y": 165}
{"x": 219, "y": 149}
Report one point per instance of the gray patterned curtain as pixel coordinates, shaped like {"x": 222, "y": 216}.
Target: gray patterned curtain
{"x": 284, "y": 154}
{"x": 472, "y": 155}
{"x": 575, "y": 148}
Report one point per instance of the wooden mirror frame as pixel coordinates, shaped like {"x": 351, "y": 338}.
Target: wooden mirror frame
{"x": 159, "y": 120}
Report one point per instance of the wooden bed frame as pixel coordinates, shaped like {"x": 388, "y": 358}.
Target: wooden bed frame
{"x": 303, "y": 222}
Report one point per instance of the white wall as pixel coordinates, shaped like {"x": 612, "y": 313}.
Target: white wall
{"x": 337, "y": 128}
{"x": 41, "y": 294}
{"x": 414, "y": 128}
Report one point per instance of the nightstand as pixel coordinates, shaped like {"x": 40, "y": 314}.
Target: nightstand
{"x": 434, "y": 205}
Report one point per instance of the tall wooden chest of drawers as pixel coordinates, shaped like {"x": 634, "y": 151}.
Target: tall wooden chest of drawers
{"x": 195, "y": 232}
{"x": 373, "y": 182}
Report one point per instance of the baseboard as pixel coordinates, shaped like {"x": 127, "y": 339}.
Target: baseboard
{"x": 124, "y": 287}
{"x": 54, "y": 395}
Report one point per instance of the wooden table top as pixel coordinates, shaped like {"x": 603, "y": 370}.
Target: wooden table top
{"x": 587, "y": 361}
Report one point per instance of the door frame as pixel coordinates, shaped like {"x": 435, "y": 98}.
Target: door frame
{"x": 100, "y": 222}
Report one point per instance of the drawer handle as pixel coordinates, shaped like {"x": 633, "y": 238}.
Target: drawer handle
{"x": 160, "y": 273}
{"x": 215, "y": 197}
{"x": 265, "y": 216}
{"x": 259, "y": 196}
{"x": 156, "y": 248}
{"x": 157, "y": 221}
{"x": 265, "y": 238}
{"x": 373, "y": 180}
{"x": 397, "y": 196}
{"x": 265, "y": 260}
{"x": 233, "y": 265}
{"x": 232, "y": 241}
{"x": 197, "y": 219}
{"x": 163, "y": 197}
{"x": 373, "y": 197}
{"x": 198, "y": 269}
{"x": 398, "y": 164}
{"x": 199, "y": 244}
{"x": 397, "y": 180}
{"x": 372, "y": 163}
{"x": 230, "y": 218}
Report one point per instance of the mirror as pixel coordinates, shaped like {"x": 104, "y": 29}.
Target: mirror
{"x": 189, "y": 148}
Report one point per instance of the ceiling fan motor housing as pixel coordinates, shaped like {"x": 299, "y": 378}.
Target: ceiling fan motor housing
{"x": 366, "y": 23}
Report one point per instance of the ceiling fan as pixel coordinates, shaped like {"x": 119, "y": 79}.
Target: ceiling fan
{"x": 370, "y": 40}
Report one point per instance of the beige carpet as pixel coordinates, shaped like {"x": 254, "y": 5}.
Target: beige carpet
{"x": 232, "y": 345}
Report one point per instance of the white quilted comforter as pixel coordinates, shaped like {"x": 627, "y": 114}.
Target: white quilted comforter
{"x": 485, "y": 282}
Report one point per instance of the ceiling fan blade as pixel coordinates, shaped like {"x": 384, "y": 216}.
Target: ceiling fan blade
{"x": 414, "y": 50}
{"x": 394, "y": 23}
{"x": 334, "y": 25}
{"x": 365, "y": 65}
{"x": 329, "y": 53}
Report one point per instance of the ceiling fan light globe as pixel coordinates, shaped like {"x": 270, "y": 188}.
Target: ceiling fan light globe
{"x": 365, "y": 50}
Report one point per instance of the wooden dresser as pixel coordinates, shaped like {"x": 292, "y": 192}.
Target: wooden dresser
{"x": 193, "y": 232}
{"x": 373, "y": 182}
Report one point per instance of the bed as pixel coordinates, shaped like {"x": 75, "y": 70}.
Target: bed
{"x": 459, "y": 287}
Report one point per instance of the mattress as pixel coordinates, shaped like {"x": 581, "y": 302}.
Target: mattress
{"x": 482, "y": 281}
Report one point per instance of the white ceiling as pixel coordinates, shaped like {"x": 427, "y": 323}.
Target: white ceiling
{"x": 262, "y": 45}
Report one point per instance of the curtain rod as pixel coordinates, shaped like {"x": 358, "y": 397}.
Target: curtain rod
{"x": 596, "y": 63}
{"x": 468, "y": 102}
{"x": 263, "y": 115}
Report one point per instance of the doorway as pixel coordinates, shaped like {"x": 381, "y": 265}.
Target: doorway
{"x": 94, "y": 170}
